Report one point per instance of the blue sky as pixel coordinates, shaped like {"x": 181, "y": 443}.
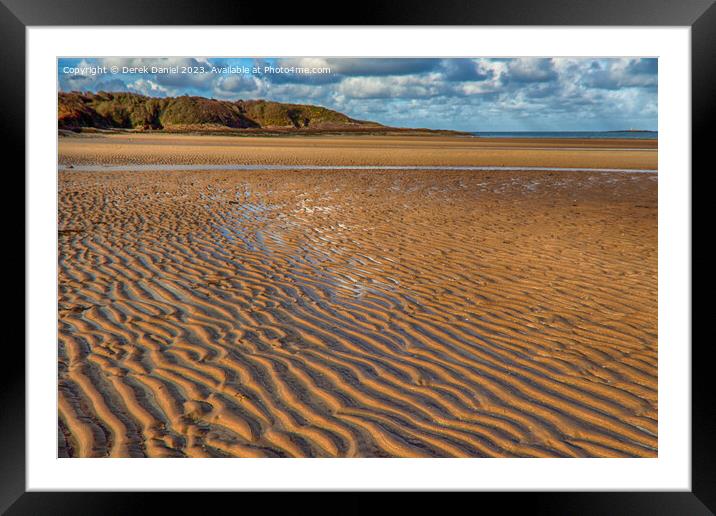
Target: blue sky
{"x": 481, "y": 94}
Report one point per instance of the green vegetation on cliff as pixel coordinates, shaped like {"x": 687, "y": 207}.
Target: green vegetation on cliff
{"x": 133, "y": 111}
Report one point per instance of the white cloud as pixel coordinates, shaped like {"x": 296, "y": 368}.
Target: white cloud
{"x": 403, "y": 86}
{"x": 238, "y": 86}
{"x": 530, "y": 69}
{"x": 147, "y": 87}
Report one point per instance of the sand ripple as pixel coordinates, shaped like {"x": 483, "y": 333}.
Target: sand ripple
{"x": 357, "y": 314}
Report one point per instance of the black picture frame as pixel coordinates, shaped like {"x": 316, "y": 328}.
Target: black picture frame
{"x": 16, "y": 15}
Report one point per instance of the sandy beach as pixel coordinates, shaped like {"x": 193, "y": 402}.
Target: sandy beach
{"x": 119, "y": 149}
{"x": 353, "y": 313}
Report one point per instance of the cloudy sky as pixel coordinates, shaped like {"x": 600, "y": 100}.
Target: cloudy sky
{"x": 482, "y": 94}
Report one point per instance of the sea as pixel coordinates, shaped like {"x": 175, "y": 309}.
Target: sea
{"x": 636, "y": 135}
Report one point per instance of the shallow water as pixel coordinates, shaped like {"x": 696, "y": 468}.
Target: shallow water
{"x": 159, "y": 167}
{"x": 590, "y": 135}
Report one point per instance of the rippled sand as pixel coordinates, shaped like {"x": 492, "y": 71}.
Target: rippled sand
{"x": 357, "y": 314}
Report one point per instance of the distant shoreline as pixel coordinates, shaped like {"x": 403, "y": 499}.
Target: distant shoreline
{"x": 585, "y": 135}
{"x": 368, "y": 131}
{"x": 278, "y": 132}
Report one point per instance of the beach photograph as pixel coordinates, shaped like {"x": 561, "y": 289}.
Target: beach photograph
{"x": 323, "y": 257}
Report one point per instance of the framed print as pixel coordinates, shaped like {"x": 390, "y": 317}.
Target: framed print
{"x": 439, "y": 249}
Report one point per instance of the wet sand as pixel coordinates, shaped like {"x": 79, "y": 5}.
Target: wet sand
{"x": 169, "y": 149}
{"x": 356, "y": 313}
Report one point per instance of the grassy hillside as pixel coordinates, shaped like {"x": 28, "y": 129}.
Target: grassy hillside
{"x": 132, "y": 111}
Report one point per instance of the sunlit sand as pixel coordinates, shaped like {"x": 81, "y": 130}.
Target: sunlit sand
{"x": 357, "y": 313}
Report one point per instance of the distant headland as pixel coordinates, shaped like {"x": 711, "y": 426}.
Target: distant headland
{"x": 125, "y": 111}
